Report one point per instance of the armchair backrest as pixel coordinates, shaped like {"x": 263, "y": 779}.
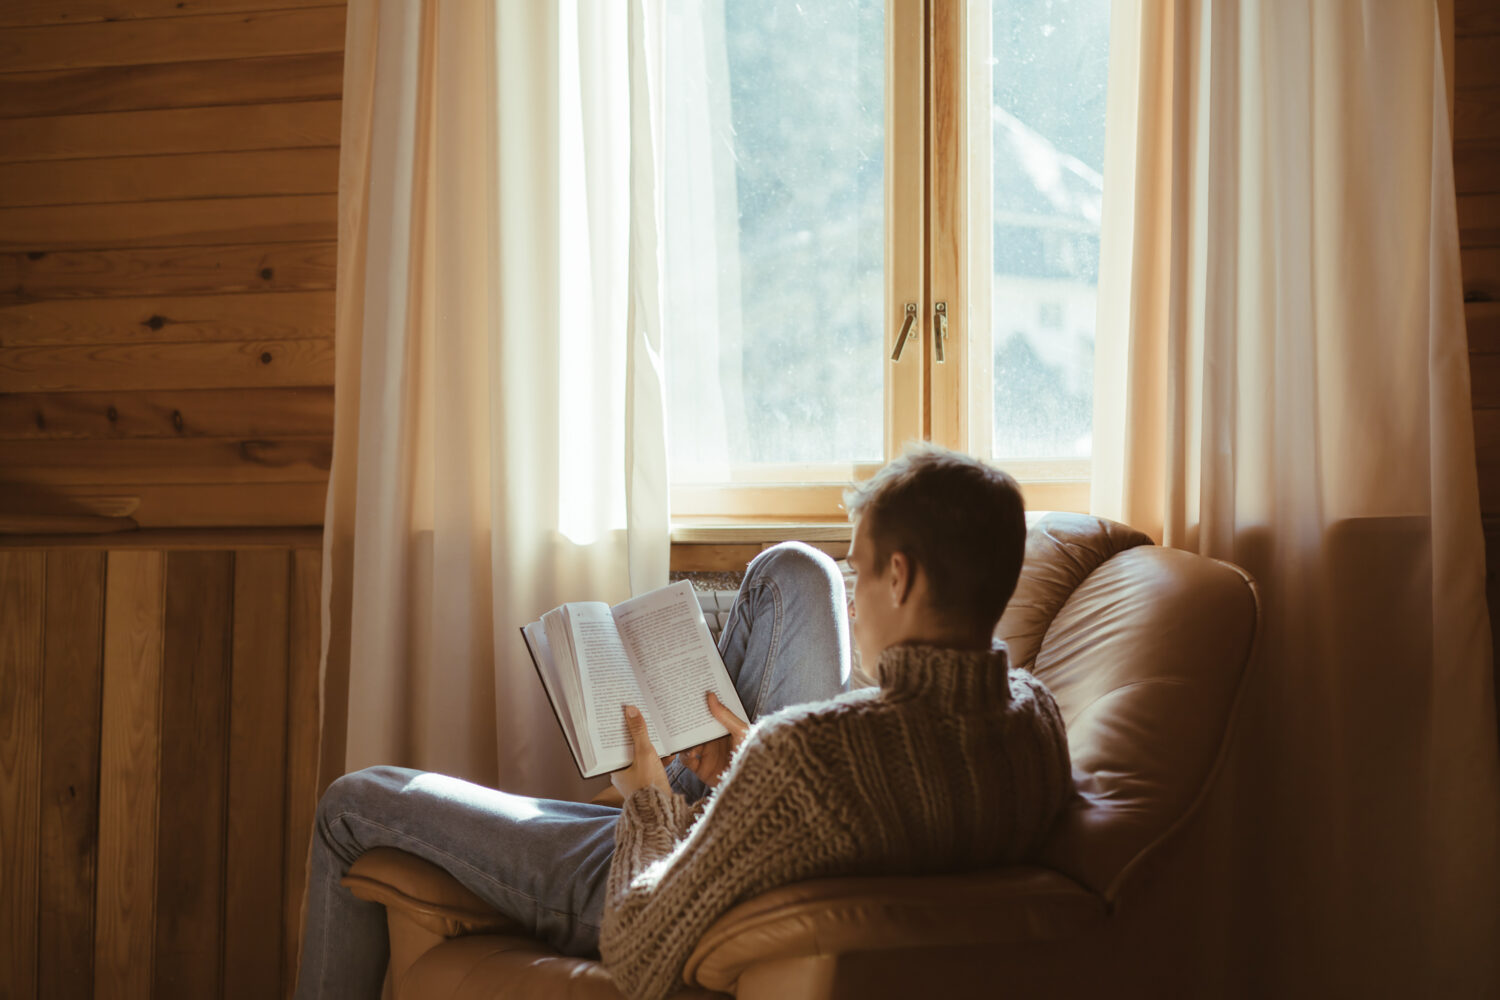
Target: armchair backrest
{"x": 1145, "y": 649}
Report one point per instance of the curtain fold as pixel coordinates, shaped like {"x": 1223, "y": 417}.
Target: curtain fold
{"x": 498, "y": 344}
{"x": 1282, "y": 381}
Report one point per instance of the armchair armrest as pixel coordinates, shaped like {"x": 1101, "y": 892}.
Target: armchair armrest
{"x": 425, "y": 894}
{"x": 832, "y": 916}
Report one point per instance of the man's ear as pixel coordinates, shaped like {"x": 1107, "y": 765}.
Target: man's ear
{"x": 902, "y": 579}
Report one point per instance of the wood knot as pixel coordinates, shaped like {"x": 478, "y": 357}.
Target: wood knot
{"x": 267, "y": 274}
{"x": 113, "y": 414}
{"x": 41, "y": 421}
{"x": 265, "y": 357}
{"x": 155, "y": 322}
{"x": 177, "y": 419}
{"x": 36, "y": 255}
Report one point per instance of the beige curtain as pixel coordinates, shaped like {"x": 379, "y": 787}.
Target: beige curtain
{"x": 498, "y": 441}
{"x": 1282, "y": 381}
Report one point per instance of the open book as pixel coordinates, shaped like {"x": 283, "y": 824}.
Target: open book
{"x": 652, "y": 651}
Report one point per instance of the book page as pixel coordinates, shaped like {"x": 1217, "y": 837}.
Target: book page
{"x": 561, "y": 686}
{"x": 677, "y": 662}
{"x": 608, "y": 684}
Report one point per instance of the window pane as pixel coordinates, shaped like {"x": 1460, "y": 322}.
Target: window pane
{"x": 1047, "y": 133}
{"x": 774, "y": 233}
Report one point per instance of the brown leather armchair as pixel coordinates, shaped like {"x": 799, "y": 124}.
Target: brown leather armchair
{"x": 1145, "y": 649}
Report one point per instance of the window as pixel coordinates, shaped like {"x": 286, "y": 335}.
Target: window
{"x": 835, "y": 168}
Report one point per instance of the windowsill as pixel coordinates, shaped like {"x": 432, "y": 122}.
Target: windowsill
{"x": 712, "y": 531}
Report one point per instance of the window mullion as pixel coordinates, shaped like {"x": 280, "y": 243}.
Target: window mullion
{"x": 946, "y": 420}
{"x": 905, "y": 233}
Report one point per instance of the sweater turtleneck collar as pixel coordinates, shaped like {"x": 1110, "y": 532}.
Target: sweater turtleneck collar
{"x": 952, "y": 679}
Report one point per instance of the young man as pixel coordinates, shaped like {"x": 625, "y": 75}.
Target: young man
{"x": 952, "y": 762}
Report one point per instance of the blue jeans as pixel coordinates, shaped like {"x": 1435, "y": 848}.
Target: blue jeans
{"x": 544, "y": 862}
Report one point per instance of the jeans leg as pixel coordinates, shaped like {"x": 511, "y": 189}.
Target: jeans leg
{"x": 786, "y": 641}
{"x": 542, "y": 862}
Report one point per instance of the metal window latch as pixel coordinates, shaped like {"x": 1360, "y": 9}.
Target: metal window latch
{"x": 940, "y": 329}
{"x": 911, "y": 319}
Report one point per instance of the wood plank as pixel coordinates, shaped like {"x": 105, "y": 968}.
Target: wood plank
{"x": 239, "y": 413}
{"x": 1476, "y": 115}
{"x": 1487, "y": 452}
{"x": 172, "y": 85}
{"x": 22, "y": 579}
{"x": 1481, "y": 272}
{"x": 175, "y": 540}
{"x": 695, "y": 558}
{"x": 257, "y": 776}
{"x": 1476, "y": 17}
{"x": 27, "y": 12}
{"x": 26, "y": 277}
{"x": 1474, "y": 61}
{"x": 130, "y": 738}
{"x": 195, "y": 222}
{"x": 1483, "y": 322}
{"x": 286, "y": 125}
{"x": 1484, "y": 377}
{"x": 71, "y": 665}
{"x": 231, "y": 365}
{"x": 1476, "y": 167}
{"x": 167, "y": 178}
{"x": 195, "y": 715}
{"x": 1479, "y": 220}
{"x": 169, "y": 319}
{"x": 189, "y": 460}
{"x": 304, "y": 648}
{"x": 200, "y": 505}
{"x": 157, "y": 40}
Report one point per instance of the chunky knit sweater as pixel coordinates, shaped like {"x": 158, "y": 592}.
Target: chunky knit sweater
{"x": 954, "y": 762}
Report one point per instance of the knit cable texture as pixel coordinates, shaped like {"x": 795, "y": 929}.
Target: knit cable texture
{"x": 955, "y": 762}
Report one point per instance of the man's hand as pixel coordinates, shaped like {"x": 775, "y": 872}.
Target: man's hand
{"x": 708, "y": 760}
{"x": 646, "y": 769}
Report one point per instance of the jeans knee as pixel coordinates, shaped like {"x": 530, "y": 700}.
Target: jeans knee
{"x": 799, "y": 568}
{"x": 348, "y": 793}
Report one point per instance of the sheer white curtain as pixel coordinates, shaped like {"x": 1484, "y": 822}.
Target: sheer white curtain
{"x": 499, "y": 444}
{"x": 1282, "y": 381}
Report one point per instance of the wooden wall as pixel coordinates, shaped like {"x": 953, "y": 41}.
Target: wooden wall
{"x": 1476, "y": 167}
{"x": 158, "y": 743}
{"x": 168, "y": 217}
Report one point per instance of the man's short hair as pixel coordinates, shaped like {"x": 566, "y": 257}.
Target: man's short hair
{"x": 960, "y": 521}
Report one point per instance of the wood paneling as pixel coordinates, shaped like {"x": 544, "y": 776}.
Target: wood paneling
{"x": 219, "y": 460}
{"x": 171, "y": 85}
{"x": 195, "y": 716}
{"x": 130, "y": 738}
{"x": 1476, "y": 167}
{"x": 292, "y": 124}
{"x": 200, "y": 505}
{"x": 177, "y": 271}
{"x": 227, "y": 365}
{"x": 304, "y": 647}
{"x": 237, "y": 413}
{"x": 161, "y": 319}
{"x": 165, "y": 178}
{"x": 22, "y": 580}
{"x": 168, "y": 218}
{"x": 158, "y": 40}
{"x": 73, "y": 626}
{"x": 158, "y": 727}
{"x": 257, "y": 775}
{"x": 170, "y": 320}
{"x": 33, "y": 12}
{"x": 286, "y": 219}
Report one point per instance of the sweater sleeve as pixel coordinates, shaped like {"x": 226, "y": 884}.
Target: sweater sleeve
{"x": 669, "y": 882}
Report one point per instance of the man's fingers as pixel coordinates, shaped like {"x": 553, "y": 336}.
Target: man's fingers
{"x": 726, "y": 718}
{"x": 635, "y": 724}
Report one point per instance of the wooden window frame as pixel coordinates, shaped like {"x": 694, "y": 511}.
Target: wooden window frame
{"x": 932, "y": 147}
